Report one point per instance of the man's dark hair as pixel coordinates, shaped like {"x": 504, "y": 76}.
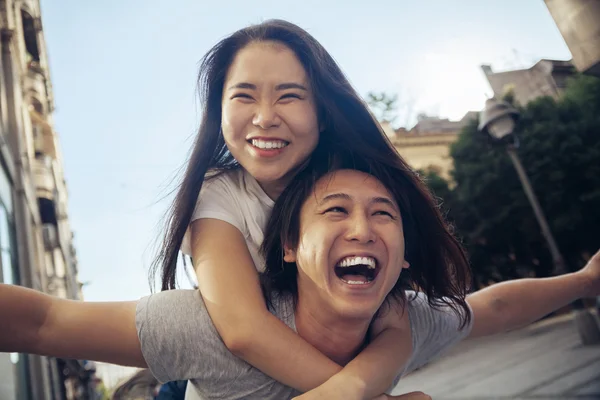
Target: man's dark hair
{"x": 438, "y": 263}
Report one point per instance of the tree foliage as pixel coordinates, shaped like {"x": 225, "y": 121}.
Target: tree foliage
{"x": 384, "y": 105}
{"x": 560, "y": 150}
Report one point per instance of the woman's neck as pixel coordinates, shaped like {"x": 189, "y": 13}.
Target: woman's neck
{"x": 273, "y": 189}
{"x": 340, "y": 339}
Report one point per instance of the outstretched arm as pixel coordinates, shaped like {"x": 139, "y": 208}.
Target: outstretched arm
{"x": 34, "y": 322}
{"x": 513, "y": 304}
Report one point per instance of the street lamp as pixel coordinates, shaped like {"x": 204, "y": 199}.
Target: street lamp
{"x": 497, "y": 120}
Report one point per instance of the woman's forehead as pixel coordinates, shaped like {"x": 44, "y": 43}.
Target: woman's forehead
{"x": 265, "y": 61}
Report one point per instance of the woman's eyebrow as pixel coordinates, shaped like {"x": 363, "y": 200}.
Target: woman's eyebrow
{"x": 243, "y": 85}
{"x": 290, "y": 85}
{"x": 281, "y": 86}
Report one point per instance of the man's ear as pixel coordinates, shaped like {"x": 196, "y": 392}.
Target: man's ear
{"x": 405, "y": 264}
{"x": 289, "y": 255}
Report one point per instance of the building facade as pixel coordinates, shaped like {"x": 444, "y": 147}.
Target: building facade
{"x": 427, "y": 145}
{"x": 577, "y": 21}
{"x": 35, "y": 237}
{"x": 544, "y": 78}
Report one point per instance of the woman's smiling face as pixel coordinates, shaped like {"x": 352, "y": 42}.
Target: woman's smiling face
{"x": 269, "y": 117}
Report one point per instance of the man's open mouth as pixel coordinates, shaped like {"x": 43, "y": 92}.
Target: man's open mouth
{"x": 357, "y": 270}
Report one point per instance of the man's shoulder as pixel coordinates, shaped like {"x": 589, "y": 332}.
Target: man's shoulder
{"x": 435, "y": 326}
{"x": 282, "y": 306}
{"x": 179, "y": 341}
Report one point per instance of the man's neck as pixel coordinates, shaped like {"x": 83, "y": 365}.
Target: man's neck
{"x": 338, "y": 338}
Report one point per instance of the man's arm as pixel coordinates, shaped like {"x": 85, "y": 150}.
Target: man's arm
{"x": 513, "y": 304}
{"x": 34, "y": 322}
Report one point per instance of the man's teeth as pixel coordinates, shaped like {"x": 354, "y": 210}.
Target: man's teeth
{"x": 356, "y": 282}
{"x": 269, "y": 144}
{"x": 351, "y": 261}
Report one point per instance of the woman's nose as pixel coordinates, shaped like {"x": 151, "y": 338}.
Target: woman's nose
{"x": 266, "y": 116}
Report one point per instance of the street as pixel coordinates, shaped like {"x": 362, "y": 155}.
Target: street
{"x": 542, "y": 361}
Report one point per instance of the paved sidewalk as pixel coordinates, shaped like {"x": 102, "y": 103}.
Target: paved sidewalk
{"x": 543, "y": 361}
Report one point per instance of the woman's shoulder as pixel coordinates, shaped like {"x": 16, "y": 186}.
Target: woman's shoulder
{"x": 240, "y": 184}
{"x": 219, "y": 178}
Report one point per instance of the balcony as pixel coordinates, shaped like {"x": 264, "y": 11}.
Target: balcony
{"x": 35, "y": 81}
{"x": 43, "y": 135}
{"x": 43, "y": 178}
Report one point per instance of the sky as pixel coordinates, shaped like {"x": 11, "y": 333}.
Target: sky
{"x": 124, "y": 79}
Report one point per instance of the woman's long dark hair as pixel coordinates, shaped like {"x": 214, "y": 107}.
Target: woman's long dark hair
{"x": 438, "y": 263}
{"x": 344, "y": 117}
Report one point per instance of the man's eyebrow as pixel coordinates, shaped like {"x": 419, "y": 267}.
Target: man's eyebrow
{"x": 290, "y": 85}
{"x": 385, "y": 200}
{"x": 334, "y": 196}
{"x": 243, "y": 85}
{"x": 345, "y": 196}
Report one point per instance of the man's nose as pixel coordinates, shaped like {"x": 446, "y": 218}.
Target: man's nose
{"x": 266, "y": 116}
{"x": 360, "y": 229}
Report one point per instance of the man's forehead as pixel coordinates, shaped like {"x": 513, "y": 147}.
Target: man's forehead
{"x": 350, "y": 185}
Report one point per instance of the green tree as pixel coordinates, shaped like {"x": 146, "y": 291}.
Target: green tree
{"x": 384, "y": 105}
{"x": 560, "y": 149}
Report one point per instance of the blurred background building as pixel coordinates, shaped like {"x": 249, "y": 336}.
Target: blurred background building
{"x": 36, "y": 240}
{"x": 577, "y": 21}
{"x": 426, "y": 146}
{"x": 544, "y": 78}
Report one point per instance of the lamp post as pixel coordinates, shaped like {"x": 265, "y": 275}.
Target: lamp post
{"x": 498, "y": 120}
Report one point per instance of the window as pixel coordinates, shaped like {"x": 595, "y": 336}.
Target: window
{"x": 6, "y": 257}
{"x": 30, "y": 36}
{"x": 7, "y": 260}
{"x": 37, "y": 105}
{"x": 9, "y": 272}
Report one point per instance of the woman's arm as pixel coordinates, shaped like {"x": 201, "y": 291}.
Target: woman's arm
{"x": 230, "y": 287}
{"x": 34, "y": 322}
{"x": 373, "y": 371}
{"x": 387, "y": 355}
{"x": 513, "y": 304}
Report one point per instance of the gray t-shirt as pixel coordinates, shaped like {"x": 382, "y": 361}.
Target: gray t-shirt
{"x": 179, "y": 341}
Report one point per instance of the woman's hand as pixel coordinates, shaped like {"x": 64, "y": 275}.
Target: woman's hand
{"x": 329, "y": 392}
{"x": 337, "y": 387}
{"x": 407, "y": 396}
{"x": 592, "y": 273}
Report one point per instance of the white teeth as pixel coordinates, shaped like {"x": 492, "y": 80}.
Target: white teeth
{"x": 351, "y": 261}
{"x": 356, "y": 282}
{"x": 269, "y": 144}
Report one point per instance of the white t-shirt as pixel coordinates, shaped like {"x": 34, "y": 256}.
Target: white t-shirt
{"x": 236, "y": 198}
